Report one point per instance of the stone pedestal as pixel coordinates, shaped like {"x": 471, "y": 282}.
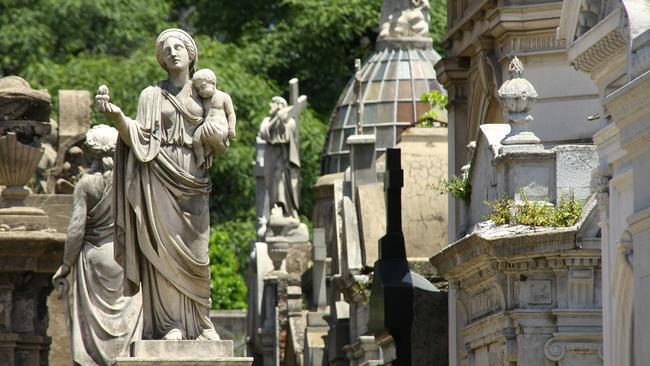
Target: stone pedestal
{"x": 186, "y": 353}
{"x": 27, "y": 262}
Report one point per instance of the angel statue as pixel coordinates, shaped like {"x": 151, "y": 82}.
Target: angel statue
{"x": 161, "y": 193}
{"x": 282, "y": 164}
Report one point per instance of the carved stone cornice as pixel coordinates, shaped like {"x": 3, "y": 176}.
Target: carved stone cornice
{"x": 601, "y": 42}
{"x": 534, "y": 17}
{"x": 449, "y": 261}
{"x": 627, "y": 107}
{"x": 523, "y": 44}
{"x": 452, "y": 70}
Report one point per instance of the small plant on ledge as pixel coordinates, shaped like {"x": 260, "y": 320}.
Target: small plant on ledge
{"x": 459, "y": 188}
{"x": 507, "y": 211}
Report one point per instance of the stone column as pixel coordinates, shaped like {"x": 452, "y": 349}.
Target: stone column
{"x": 362, "y": 161}
{"x": 269, "y": 330}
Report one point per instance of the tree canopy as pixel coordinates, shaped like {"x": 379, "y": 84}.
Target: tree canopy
{"x": 254, "y": 47}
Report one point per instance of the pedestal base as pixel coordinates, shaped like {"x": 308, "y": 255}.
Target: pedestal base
{"x": 184, "y": 353}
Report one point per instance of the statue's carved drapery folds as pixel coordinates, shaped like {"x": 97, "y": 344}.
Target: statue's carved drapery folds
{"x": 103, "y": 321}
{"x": 161, "y": 196}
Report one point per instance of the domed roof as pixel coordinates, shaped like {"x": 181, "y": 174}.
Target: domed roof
{"x": 392, "y": 81}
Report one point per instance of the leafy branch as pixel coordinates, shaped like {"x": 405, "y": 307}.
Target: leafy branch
{"x": 437, "y": 101}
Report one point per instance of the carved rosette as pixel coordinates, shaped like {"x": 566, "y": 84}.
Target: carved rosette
{"x": 517, "y": 96}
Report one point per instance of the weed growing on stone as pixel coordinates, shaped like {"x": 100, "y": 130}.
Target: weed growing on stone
{"x": 458, "y": 187}
{"x": 507, "y": 211}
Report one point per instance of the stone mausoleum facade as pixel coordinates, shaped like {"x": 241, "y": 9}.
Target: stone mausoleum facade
{"x": 609, "y": 41}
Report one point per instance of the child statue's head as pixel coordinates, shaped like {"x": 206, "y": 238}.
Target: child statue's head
{"x": 205, "y": 82}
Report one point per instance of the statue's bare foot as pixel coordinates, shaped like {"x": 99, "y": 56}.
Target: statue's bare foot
{"x": 208, "y": 335}
{"x": 174, "y": 335}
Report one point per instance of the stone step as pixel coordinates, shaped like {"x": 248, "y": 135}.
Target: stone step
{"x": 183, "y": 361}
{"x": 184, "y": 348}
{"x": 184, "y": 353}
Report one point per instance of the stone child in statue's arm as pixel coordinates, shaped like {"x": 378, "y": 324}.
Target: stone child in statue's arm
{"x": 219, "y": 109}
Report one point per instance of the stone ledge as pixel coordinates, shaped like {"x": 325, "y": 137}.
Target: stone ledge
{"x": 183, "y": 361}
{"x": 183, "y": 349}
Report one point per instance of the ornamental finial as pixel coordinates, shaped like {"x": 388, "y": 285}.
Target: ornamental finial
{"x": 517, "y": 96}
{"x": 516, "y": 68}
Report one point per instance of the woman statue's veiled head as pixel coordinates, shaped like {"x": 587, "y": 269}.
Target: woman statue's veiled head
{"x": 167, "y": 54}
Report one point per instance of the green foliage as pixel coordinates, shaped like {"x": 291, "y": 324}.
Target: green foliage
{"x": 315, "y": 41}
{"x": 438, "y": 25}
{"x": 507, "y": 211}
{"x": 438, "y": 101}
{"x": 459, "y": 188}
{"x": 58, "y": 30}
{"x": 227, "y": 266}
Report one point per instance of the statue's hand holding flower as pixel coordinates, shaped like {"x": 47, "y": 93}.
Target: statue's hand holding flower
{"x": 105, "y": 106}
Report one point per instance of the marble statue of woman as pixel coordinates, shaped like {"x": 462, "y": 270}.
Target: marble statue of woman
{"x": 162, "y": 219}
{"x": 103, "y": 321}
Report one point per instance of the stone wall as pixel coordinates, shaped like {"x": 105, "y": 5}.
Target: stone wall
{"x": 424, "y": 213}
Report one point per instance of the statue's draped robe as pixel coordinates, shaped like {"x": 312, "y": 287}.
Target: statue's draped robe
{"x": 281, "y": 161}
{"x": 162, "y": 215}
{"x": 104, "y": 322}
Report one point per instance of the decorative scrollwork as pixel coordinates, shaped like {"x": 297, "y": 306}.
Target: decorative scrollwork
{"x": 553, "y": 350}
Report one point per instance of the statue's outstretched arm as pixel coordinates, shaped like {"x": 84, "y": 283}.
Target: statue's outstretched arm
{"x": 120, "y": 120}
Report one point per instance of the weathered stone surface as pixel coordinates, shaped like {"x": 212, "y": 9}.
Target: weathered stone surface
{"x": 184, "y": 352}
{"x": 57, "y": 330}
{"x": 424, "y": 160}
{"x": 18, "y": 101}
{"x": 371, "y": 208}
{"x": 184, "y": 361}
{"x": 27, "y": 262}
{"x": 75, "y": 110}
{"x": 183, "y": 348}
{"x": 574, "y": 164}
{"x": 57, "y": 207}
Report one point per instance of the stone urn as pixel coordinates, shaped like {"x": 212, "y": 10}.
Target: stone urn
{"x": 24, "y": 120}
{"x": 17, "y": 165}
{"x": 517, "y": 96}
{"x": 278, "y": 247}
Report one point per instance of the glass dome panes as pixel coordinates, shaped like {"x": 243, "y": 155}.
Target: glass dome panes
{"x": 392, "y": 82}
